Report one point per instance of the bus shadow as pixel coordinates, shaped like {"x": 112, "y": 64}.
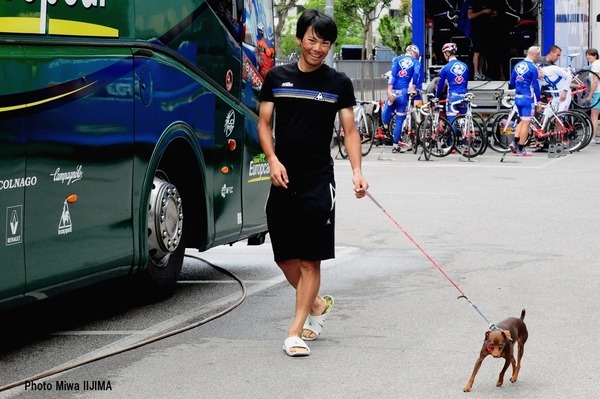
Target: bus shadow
{"x": 109, "y": 300}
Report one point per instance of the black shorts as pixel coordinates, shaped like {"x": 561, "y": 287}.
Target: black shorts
{"x": 302, "y": 222}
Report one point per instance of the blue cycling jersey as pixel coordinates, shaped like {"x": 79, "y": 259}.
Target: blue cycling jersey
{"x": 456, "y": 74}
{"x": 405, "y": 69}
{"x": 524, "y": 78}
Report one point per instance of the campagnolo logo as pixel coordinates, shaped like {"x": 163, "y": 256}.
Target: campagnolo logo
{"x": 17, "y": 183}
{"x": 70, "y": 176}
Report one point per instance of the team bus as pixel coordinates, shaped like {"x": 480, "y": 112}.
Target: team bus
{"x": 128, "y": 133}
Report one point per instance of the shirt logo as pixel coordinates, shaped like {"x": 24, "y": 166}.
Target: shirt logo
{"x": 287, "y": 84}
{"x": 458, "y": 71}
{"x": 521, "y": 69}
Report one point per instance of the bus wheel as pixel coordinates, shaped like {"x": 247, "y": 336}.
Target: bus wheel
{"x": 166, "y": 248}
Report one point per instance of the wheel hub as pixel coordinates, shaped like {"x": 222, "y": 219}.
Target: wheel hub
{"x": 165, "y": 221}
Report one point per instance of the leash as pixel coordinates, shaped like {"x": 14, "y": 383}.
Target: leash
{"x": 462, "y": 294}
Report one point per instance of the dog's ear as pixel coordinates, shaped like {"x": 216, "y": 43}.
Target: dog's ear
{"x": 487, "y": 334}
{"x": 507, "y": 334}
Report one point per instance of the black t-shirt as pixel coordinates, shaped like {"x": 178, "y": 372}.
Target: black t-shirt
{"x": 305, "y": 107}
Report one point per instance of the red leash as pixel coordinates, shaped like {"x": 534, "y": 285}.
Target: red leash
{"x": 462, "y": 294}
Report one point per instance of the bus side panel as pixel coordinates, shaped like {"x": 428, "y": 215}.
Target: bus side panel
{"x": 193, "y": 30}
{"x": 78, "y": 216}
{"x": 13, "y": 179}
{"x": 256, "y": 181}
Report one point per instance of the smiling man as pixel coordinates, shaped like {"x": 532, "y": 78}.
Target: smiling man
{"x": 299, "y": 103}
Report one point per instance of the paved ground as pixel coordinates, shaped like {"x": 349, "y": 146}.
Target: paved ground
{"x": 512, "y": 235}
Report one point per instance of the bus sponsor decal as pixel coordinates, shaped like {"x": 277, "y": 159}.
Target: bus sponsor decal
{"x": 229, "y": 122}
{"x": 226, "y": 190}
{"x": 69, "y": 176}
{"x": 229, "y": 80}
{"x": 64, "y": 225}
{"x": 41, "y": 23}
{"x": 14, "y": 227}
{"x": 17, "y": 183}
{"x": 259, "y": 169}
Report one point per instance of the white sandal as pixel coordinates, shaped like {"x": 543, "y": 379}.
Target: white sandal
{"x": 315, "y": 324}
{"x": 295, "y": 342}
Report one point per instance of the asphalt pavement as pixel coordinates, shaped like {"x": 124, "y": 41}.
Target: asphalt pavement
{"x": 512, "y": 235}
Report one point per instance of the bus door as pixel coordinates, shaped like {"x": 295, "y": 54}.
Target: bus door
{"x": 227, "y": 196}
{"x": 13, "y": 179}
{"x": 78, "y": 216}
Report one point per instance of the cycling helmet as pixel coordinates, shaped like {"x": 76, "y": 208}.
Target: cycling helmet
{"x": 449, "y": 47}
{"x": 413, "y": 48}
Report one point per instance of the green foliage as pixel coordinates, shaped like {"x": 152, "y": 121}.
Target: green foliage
{"x": 353, "y": 19}
{"x": 349, "y": 32}
{"x": 396, "y": 33}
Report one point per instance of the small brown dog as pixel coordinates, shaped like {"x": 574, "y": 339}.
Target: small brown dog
{"x": 499, "y": 342}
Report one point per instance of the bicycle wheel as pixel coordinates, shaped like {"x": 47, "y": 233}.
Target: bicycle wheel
{"x": 589, "y": 128}
{"x": 366, "y": 129}
{"x": 473, "y": 141}
{"x": 522, "y": 7}
{"x": 581, "y": 87}
{"x": 568, "y": 128}
{"x": 442, "y": 138}
{"x": 424, "y": 134}
{"x": 490, "y": 124}
{"x": 341, "y": 144}
{"x": 502, "y": 131}
{"x": 409, "y": 132}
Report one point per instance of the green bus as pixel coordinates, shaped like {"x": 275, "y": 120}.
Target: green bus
{"x": 128, "y": 133}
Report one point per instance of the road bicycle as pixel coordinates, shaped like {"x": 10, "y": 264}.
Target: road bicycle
{"x": 471, "y": 139}
{"x": 434, "y": 131}
{"x": 408, "y": 134}
{"x": 364, "y": 125}
{"x": 569, "y": 128}
{"x": 581, "y": 84}
{"x": 409, "y": 128}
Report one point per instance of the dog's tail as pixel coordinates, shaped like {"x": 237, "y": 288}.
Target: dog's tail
{"x": 522, "y": 314}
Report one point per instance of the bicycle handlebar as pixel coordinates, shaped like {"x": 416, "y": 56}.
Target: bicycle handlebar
{"x": 375, "y": 104}
{"x": 468, "y": 97}
{"x": 508, "y": 101}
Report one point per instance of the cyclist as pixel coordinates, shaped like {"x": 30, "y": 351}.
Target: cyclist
{"x": 405, "y": 78}
{"x": 456, "y": 74}
{"x": 556, "y": 84}
{"x": 524, "y": 78}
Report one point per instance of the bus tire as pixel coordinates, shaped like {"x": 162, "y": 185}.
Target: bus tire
{"x": 166, "y": 246}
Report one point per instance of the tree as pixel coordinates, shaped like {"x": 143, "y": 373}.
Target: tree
{"x": 364, "y": 12}
{"x": 396, "y": 32}
{"x": 349, "y": 32}
{"x": 282, "y": 8}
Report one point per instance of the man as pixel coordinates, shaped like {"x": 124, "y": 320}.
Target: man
{"x": 304, "y": 98}
{"x": 556, "y": 86}
{"x": 524, "y": 78}
{"x": 552, "y": 57}
{"x": 456, "y": 74}
{"x": 405, "y": 79}
{"x": 479, "y": 13}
